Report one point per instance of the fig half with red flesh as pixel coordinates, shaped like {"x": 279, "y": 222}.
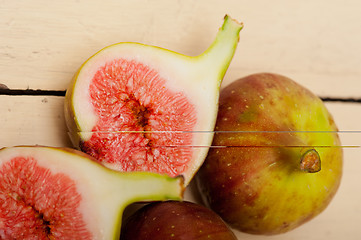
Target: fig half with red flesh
{"x": 51, "y": 193}
{"x": 136, "y": 107}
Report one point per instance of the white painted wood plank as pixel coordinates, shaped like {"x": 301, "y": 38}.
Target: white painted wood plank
{"x": 317, "y": 43}
{"x": 29, "y": 120}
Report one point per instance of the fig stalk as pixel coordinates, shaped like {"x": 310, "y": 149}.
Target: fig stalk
{"x": 223, "y": 48}
{"x": 310, "y": 161}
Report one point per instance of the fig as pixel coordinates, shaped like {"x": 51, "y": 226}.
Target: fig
{"x": 135, "y": 107}
{"x": 280, "y": 163}
{"x": 53, "y": 193}
{"x": 175, "y": 220}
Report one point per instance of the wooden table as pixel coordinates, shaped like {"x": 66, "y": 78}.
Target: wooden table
{"x": 317, "y": 43}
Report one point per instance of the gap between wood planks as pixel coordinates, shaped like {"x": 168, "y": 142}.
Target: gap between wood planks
{"x": 61, "y": 93}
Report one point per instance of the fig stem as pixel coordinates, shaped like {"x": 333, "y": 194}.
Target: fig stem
{"x": 221, "y": 51}
{"x": 310, "y": 161}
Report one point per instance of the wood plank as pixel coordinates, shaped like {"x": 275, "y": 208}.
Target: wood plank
{"x": 314, "y": 42}
{"x": 40, "y": 120}
{"x": 29, "y": 120}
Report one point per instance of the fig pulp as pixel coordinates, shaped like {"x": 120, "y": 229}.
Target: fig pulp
{"x": 283, "y": 160}
{"x": 51, "y": 193}
{"x": 136, "y": 107}
{"x": 177, "y": 221}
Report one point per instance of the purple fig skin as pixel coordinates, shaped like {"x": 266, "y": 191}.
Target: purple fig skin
{"x": 176, "y": 221}
{"x": 272, "y": 182}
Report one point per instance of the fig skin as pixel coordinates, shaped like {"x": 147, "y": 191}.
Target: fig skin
{"x": 175, "y": 220}
{"x": 270, "y": 182}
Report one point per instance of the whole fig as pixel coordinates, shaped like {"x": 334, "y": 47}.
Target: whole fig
{"x": 276, "y": 160}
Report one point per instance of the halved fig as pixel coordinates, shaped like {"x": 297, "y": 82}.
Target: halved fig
{"x": 136, "y": 107}
{"x": 51, "y": 193}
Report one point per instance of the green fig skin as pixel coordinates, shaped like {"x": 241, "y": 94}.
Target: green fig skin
{"x": 175, "y": 220}
{"x": 271, "y": 182}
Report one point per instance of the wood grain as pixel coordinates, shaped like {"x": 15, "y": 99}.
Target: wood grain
{"x": 316, "y": 43}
